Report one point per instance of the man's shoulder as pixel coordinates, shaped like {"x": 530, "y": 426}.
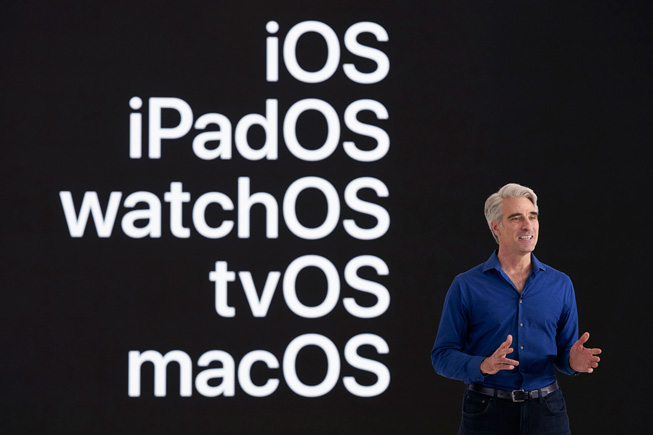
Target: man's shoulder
{"x": 553, "y": 278}
{"x": 553, "y": 272}
{"x": 473, "y": 273}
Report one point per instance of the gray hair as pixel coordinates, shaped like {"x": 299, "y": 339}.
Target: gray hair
{"x": 494, "y": 204}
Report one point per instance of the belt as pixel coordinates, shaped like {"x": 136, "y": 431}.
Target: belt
{"x": 515, "y": 395}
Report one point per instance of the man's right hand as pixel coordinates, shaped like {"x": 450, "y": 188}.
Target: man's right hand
{"x": 498, "y": 360}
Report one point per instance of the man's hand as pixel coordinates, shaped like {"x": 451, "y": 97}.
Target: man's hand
{"x": 581, "y": 358}
{"x": 498, "y": 360}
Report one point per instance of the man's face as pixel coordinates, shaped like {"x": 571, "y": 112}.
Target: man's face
{"x": 519, "y": 227}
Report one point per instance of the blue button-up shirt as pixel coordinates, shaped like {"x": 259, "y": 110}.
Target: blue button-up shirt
{"x": 483, "y": 306}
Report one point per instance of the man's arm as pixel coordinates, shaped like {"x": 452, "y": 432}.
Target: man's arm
{"x": 574, "y": 358}
{"x": 447, "y": 356}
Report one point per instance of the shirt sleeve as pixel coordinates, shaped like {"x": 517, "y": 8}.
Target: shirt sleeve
{"x": 567, "y": 331}
{"x": 448, "y": 356}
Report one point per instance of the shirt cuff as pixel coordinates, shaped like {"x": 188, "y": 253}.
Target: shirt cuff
{"x": 474, "y": 370}
{"x": 564, "y": 365}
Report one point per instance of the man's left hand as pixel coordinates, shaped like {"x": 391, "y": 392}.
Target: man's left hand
{"x": 581, "y": 358}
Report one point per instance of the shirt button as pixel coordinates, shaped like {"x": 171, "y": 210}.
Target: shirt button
{"x": 521, "y": 300}
{"x": 521, "y": 324}
{"x": 521, "y": 347}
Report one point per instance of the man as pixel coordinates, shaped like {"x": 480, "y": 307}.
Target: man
{"x": 506, "y": 323}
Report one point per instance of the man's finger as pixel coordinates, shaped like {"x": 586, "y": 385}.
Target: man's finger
{"x": 583, "y": 338}
{"x": 596, "y": 351}
{"x": 509, "y": 340}
{"x": 506, "y": 343}
{"x": 506, "y": 367}
{"x": 504, "y": 352}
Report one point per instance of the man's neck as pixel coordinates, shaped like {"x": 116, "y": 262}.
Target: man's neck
{"x": 515, "y": 264}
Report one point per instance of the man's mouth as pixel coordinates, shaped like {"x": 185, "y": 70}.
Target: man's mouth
{"x": 525, "y": 237}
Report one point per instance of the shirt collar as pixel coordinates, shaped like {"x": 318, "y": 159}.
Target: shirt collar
{"x": 493, "y": 263}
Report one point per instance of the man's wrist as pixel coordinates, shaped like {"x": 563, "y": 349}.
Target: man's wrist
{"x": 481, "y": 368}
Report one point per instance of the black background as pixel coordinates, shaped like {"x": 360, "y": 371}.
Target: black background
{"x": 557, "y": 98}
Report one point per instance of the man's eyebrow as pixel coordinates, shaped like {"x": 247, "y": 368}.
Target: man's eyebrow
{"x": 532, "y": 213}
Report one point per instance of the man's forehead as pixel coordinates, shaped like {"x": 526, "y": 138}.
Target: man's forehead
{"x": 512, "y": 206}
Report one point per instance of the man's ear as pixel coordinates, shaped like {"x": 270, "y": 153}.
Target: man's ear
{"x": 495, "y": 228}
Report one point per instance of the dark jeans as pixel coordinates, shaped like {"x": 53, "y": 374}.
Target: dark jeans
{"x": 486, "y": 415}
